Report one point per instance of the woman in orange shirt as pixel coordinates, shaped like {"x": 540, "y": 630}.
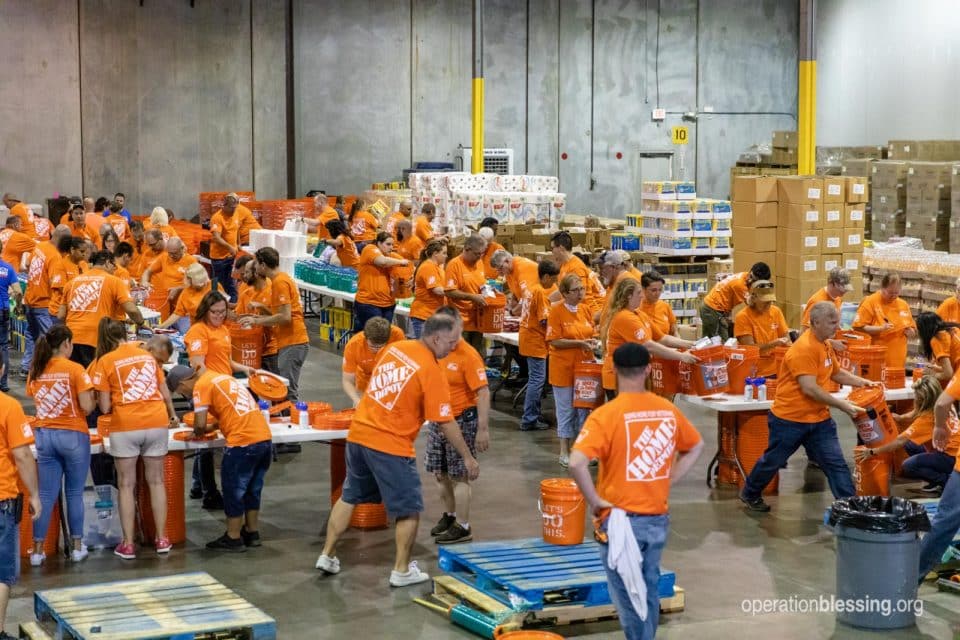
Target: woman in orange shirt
{"x": 940, "y": 345}
{"x": 374, "y": 293}
{"x": 659, "y": 311}
{"x": 160, "y": 220}
{"x": 887, "y": 319}
{"x": 569, "y": 335}
{"x": 428, "y": 291}
{"x": 363, "y": 225}
{"x": 344, "y": 245}
{"x": 196, "y": 284}
{"x": 63, "y": 395}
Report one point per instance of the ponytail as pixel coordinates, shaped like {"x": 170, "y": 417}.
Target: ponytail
{"x": 110, "y": 333}
{"x": 44, "y": 347}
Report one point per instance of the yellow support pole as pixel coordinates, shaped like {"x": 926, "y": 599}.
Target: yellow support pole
{"x": 807, "y": 118}
{"x": 476, "y": 163}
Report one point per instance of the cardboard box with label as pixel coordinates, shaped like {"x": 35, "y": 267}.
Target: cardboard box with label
{"x": 754, "y": 189}
{"x": 831, "y": 261}
{"x": 856, "y": 189}
{"x": 852, "y": 262}
{"x": 754, "y": 214}
{"x": 743, "y": 260}
{"x": 834, "y": 189}
{"x": 888, "y": 174}
{"x": 785, "y": 139}
{"x": 852, "y": 240}
{"x": 798, "y": 242}
{"x": 798, "y": 291}
{"x": 800, "y": 216}
{"x": 854, "y": 215}
{"x": 800, "y": 189}
{"x": 754, "y": 240}
{"x": 832, "y": 241}
{"x": 792, "y": 313}
{"x": 833, "y": 215}
{"x": 808, "y": 265}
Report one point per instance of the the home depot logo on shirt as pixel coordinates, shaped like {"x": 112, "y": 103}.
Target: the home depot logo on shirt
{"x": 652, "y": 441}
{"x": 36, "y": 267}
{"x": 390, "y": 378}
{"x": 238, "y": 396}
{"x": 138, "y": 379}
{"x": 54, "y": 399}
{"x": 86, "y": 295}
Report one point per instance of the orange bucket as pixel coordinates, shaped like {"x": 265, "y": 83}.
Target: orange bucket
{"x": 369, "y": 516}
{"x": 871, "y": 477}
{"x": 51, "y": 541}
{"x": 563, "y": 510}
{"x": 741, "y": 364}
{"x": 917, "y": 372}
{"x": 588, "y": 385}
{"x": 868, "y": 362}
{"x": 176, "y": 529}
{"x": 157, "y": 300}
{"x": 664, "y": 376}
{"x": 709, "y": 376}
{"x": 875, "y": 426}
{"x": 499, "y": 633}
{"x": 753, "y": 437}
{"x": 400, "y": 277}
{"x": 103, "y": 425}
{"x": 246, "y": 344}
{"x": 894, "y": 378}
{"x": 490, "y": 317}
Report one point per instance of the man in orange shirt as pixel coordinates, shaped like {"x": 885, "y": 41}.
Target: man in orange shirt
{"x": 406, "y": 388}
{"x": 255, "y": 297}
{"x": 170, "y": 268}
{"x": 77, "y": 224}
{"x": 423, "y": 225}
{"x": 949, "y": 309}
{"x": 887, "y": 319}
{"x": 408, "y": 243}
{"x": 761, "y": 324}
{"x": 40, "y": 277}
{"x": 22, "y": 211}
{"x": 534, "y": 309}
{"x": 91, "y": 296}
{"x": 123, "y": 256}
{"x": 361, "y": 352}
{"x": 519, "y": 275}
{"x": 404, "y": 212}
{"x": 644, "y": 445}
{"x": 15, "y": 243}
{"x": 465, "y": 278}
{"x": 720, "y": 301}
{"x": 838, "y": 285}
{"x": 153, "y": 247}
{"x": 488, "y": 234}
{"x": 561, "y": 245}
{"x": 225, "y": 243}
{"x": 801, "y": 411}
{"x": 72, "y": 262}
{"x": 117, "y": 222}
{"x": 325, "y": 215}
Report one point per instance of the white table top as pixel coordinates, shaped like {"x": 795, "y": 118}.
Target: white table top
{"x": 727, "y": 403}
{"x": 342, "y": 295}
{"x": 506, "y": 337}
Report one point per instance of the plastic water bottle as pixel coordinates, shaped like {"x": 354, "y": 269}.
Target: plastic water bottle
{"x": 303, "y": 419}
{"x": 761, "y": 389}
{"x": 748, "y": 389}
{"x": 265, "y": 409}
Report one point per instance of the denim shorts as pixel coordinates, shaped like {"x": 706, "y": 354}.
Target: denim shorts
{"x": 10, "y": 543}
{"x": 441, "y": 458}
{"x": 241, "y": 477}
{"x": 374, "y": 476}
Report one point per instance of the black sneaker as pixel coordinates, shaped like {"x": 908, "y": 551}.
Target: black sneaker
{"x": 213, "y": 503}
{"x": 286, "y": 447}
{"x": 445, "y": 522}
{"x": 196, "y": 493}
{"x": 932, "y": 487}
{"x": 250, "y": 538}
{"x": 454, "y": 534}
{"x": 755, "y": 505}
{"x": 226, "y": 543}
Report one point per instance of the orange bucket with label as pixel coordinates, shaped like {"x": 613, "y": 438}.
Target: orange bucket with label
{"x": 564, "y": 511}
{"x": 490, "y": 317}
{"x": 741, "y": 364}
{"x": 894, "y": 378}
{"x": 867, "y": 362}
{"x": 157, "y": 300}
{"x": 779, "y": 353}
{"x": 246, "y": 344}
{"x": 587, "y": 385}
{"x": 875, "y": 425}
{"x": 664, "y": 376}
{"x": 709, "y": 376}
{"x": 871, "y": 476}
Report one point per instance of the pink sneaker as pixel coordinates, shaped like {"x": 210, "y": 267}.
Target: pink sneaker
{"x": 125, "y": 551}
{"x": 163, "y": 545}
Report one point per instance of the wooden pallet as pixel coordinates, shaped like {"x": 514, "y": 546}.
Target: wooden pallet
{"x": 189, "y": 606}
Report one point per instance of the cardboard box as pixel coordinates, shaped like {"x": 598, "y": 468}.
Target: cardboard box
{"x": 857, "y": 293}
{"x": 833, "y": 215}
{"x": 856, "y": 189}
{"x": 800, "y": 216}
{"x": 754, "y": 189}
{"x": 902, "y": 149}
{"x": 888, "y": 174}
{"x": 831, "y": 261}
{"x": 852, "y": 262}
{"x": 798, "y": 291}
{"x": 832, "y": 241}
{"x": 854, "y": 215}
{"x": 800, "y": 189}
{"x": 754, "y": 240}
{"x": 799, "y": 242}
{"x": 808, "y": 265}
{"x": 834, "y": 189}
{"x": 754, "y": 214}
{"x": 857, "y": 167}
{"x": 785, "y": 139}
{"x": 852, "y": 240}
{"x": 783, "y": 156}
{"x": 743, "y": 260}
{"x": 792, "y": 313}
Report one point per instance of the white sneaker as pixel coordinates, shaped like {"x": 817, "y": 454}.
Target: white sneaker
{"x": 412, "y": 576}
{"x": 79, "y": 554}
{"x": 36, "y": 559}
{"x": 564, "y": 461}
{"x": 327, "y": 564}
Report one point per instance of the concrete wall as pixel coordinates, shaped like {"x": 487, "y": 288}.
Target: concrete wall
{"x": 887, "y": 70}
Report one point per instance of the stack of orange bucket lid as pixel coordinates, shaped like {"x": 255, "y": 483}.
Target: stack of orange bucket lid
{"x": 176, "y": 529}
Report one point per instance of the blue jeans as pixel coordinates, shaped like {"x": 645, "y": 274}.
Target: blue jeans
{"x": 943, "y": 526}
{"x": 822, "y": 446}
{"x": 363, "y": 312}
{"x": 569, "y": 418}
{"x": 9, "y": 544}
{"x": 5, "y": 342}
{"x": 241, "y": 476}
{"x": 223, "y": 275}
{"x": 416, "y": 328}
{"x": 536, "y": 378}
{"x": 651, "y": 534}
{"x": 61, "y": 452}
{"x": 39, "y": 322}
{"x": 933, "y": 466}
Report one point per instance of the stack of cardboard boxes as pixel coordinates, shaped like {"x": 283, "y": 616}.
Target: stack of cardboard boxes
{"x": 888, "y": 199}
{"x": 955, "y": 209}
{"x": 928, "y": 203}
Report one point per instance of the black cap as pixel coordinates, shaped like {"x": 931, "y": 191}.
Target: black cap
{"x": 631, "y": 356}
{"x": 178, "y": 374}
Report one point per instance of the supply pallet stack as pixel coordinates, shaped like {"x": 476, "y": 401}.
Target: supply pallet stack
{"x": 928, "y": 203}
{"x": 674, "y": 222}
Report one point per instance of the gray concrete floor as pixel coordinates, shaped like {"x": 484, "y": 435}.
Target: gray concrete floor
{"x": 721, "y": 555}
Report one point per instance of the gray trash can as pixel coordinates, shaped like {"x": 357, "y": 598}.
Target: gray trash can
{"x": 878, "y": 557}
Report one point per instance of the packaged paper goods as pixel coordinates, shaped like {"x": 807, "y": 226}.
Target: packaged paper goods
{"x": 558, "y": 206}
{"x": 542, "y": 184}
{"x": 510, "y": 183}
{"x": 496, "y": 205}
{"x": 470, "y": 206}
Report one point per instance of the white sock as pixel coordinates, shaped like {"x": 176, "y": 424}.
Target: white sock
{"x": 452, "y": 514}
{"x": 465, "y": 525}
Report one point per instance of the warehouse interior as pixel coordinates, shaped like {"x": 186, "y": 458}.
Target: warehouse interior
{"x": 164, "y": 99}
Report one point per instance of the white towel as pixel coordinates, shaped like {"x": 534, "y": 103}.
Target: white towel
{"x": 624, "y": 557}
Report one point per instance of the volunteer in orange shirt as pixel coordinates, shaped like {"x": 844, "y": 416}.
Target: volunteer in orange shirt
{"x": 225, "y": 243}
{"x": 423, "y": 225}
{"x": 887, "y": 319}
{"x": 122, "y": 258}
{"x": 724, "y": 296}
{"x": 77, "y": 224}
{"x": 408, "y": 245}
{"x": 659, "y": 311}
{"x": 374, "y": 294}
{"x": 109, "y": 241}
{"x": 594, "y": 294}
{"x": 404, "y": 212}
{"x": 407, "y": 387}
{"x": 170, "y": 268}
{"x": 160, "y": 220}
{"x": 519, "y": 276}
{"x": 949, "y": 309}
{"x": 131, "y": 388}
{"x": 40, "y": 275}
{"x": 91, "y": 296}
{"x": 644, "y": 445}
{"x": 325, "y": 215}
{"x": 22, "y": 211}
{"x": 15, "y": 243}
{"x": 361, "y": 352}
{"x": 339, "y": 238}
{"x": 220, "y": 402}
{"x": 208, "y": 340}
{"x": 838, "y": 285}
{"x": 63, "y": 395}
{"x": 489, "y": 271}
{"x": 761, "y": 324}
{"x": 255, "y": 297}
{"x": 801, "y": 410}
{"x": 615, "y": 266}
{"x": 465, "y": 279}
{"x": 534, "y": 311}
{"x": 946, "y": 522}
{"x": 153, "y": 247}
{"x": 428, "y": 291}
{"x": 117, "y": 222}
{"x": 569, "y": 335}
{"x": 247, "y": 223}
{"x": 470, "y": 404}
{"x": 72, "y": 262}
{"x": 940, "y": 345}
{"x": 363, "y": 225}
{"x": 196, "y": 284}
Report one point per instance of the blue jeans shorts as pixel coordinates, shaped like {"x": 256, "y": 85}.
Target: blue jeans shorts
{"x": 10, "y": 542}
{"x": 241, "y": 477}
{"x": 374, "y": 476}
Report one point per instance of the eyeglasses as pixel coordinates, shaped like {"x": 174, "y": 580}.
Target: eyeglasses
{"x": 575, "y": 290}
{"x": 218, "y": 312}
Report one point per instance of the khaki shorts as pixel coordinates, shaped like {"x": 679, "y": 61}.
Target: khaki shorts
{"x": 142, "y": 442}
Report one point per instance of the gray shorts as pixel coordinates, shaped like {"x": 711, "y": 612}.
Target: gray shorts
{"x": 142, "y": 442}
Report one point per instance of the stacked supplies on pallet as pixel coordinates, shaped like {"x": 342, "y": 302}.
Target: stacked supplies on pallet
{"x": 674, "y": 221}
{"x": 888, "y": 199}
{"x": 928, "y": 203}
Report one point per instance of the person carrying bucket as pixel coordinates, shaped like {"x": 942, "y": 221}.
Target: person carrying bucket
{"x": 886, "y": 318}
{"x": 761, "y": 324}
{"x": 644, "y": 444}
{"x": 801, "y": 411}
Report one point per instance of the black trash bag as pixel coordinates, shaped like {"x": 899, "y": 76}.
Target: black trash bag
{"x": 879, "y": 514}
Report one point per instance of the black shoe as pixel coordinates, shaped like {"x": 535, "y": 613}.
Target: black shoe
{"x": 196, "y": 493}
{"x": 250, "y": 538}
{"x": 213, "y": 503}
{"x": 755, "y": 505}
{"x": 5, "y": 390}
{"x": 932, "y": 487}
{"x": 226, "y": 543}
{"x": 285, "y": 447}
{"x": 454, "y": 534}
{"x": 445, "y": 523}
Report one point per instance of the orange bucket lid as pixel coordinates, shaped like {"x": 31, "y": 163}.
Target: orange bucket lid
{"x": 863, "y": 396}
{"x": 187, "y": 419}
{"x": 268, "y": 386}
{"x": 187, "y": 436}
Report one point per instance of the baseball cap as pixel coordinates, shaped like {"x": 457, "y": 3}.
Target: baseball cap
{"x": 840, "y": 277}
{"x": 178, "y": 374}
{"x": 613, "y": 258}
{"x": 631, "y": 356}
{"x": 762, "y": 290}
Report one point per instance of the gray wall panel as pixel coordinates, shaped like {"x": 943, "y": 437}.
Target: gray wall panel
{"x": 269, "y": 99}
{"x": 574, "y": 108}
{"x": 543, "y": 154}
{"x": 505, "y": 76}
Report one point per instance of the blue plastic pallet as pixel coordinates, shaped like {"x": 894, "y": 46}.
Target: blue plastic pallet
{"x": 178, "y": 607}
{"x": 531, "y": 572}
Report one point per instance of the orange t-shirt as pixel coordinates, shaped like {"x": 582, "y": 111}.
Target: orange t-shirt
{"x": 247, "y": 294}
{"x": 949, "y": 310}
{"x": 89, "y": 297}
{"x": 523, "y": 278}
{"x": 373, "y": 282}
{"x": 347, "y": 252}
{"x": 429, "y": 276}
{"x": 921, "y": 432}
{"x": 167, "y": 232}
{"x": 407, "y": 387}
{"x": 488, "y": 271}
{"x": 953, "y": 390}
{"x": 170, "y": 273}
{"x": 359, "y": 359}
{"x": 123, "y": 274}
{"x": 593, "y": 291}
{"x": 62, "y": 273}
{"x": 625, "y": 326}
{"x": 120, "y": 226}
{"x": 392, "y": 220}
{"x": 132, "y": 377}
{"x": 728, "y": 293}
{"x": 466, "y": 279}
{"x": 40, "y": 275}
{"x": 56, "y": 395}
{"x": 328, "y": 214}
{"x": 284, "y": 291}
{"x": 805, "y": 357}
{"x": 661, "y": 315}
{"x": 364, "y": 226}
{"x": 946, "y": 344}
{"x": 15, "y": 244}
{"x": 44, "y": 228}
{"x": 873, "y": 312}
{"x": 466, "y": 374}
{"x": 15, "y": 432}
{"x": 26, "y": 216}
{"x": 819, "y": 296}
{"x": 143, "y": 261}
{"x": 188, "y": 301}
{"x": 246, "y": 224}
{"x": 211, "y": 343}
{"x": 562, "y": 323}
{"x": 410, "y": 248}
{"x": 636, "y": 437}
{"x": 82, "y": 231}
{"x": 231, "y": 405}
{"x": 534, "y": 311}
{"x": 423, "y": 229}
{"x": 229, "y": 230}
{"x": 763, "y": 327}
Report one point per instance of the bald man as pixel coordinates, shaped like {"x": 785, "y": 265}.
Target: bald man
{"x": 170, "y": 268}
{"x": 22, "y": 211}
